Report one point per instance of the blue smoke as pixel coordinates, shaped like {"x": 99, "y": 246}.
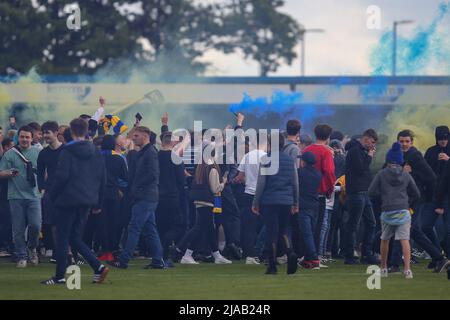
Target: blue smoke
{"x": 286, "y": 104}
{"x": 428, "y": 47}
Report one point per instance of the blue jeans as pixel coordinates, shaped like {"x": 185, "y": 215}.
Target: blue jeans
{"x": 25, "y": 213}
{"x": 307, "y": 220}
{"x": 70, "y": 224}
{"x": 143, "y": 221}
{"x": 429, "y": 218}
{"x": 324, "y": 231}
{"x": 359, "y": 207}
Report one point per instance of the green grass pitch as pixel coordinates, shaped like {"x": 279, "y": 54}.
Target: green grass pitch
{"x": 223, "y": 282}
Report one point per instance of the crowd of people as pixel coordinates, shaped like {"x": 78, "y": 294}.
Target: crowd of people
{"x": 71, "y": 194}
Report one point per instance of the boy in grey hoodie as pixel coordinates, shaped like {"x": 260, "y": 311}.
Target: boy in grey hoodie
{"x": 397, "y": 191}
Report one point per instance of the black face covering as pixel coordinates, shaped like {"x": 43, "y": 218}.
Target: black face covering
{"x": 30, "y": 174}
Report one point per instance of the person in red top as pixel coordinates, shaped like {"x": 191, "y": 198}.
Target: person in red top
{"x": 325, "y": 165}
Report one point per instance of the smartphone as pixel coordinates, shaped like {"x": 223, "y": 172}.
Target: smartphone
{"x": 14, "y": 171}
{"x": 138, "y": 116}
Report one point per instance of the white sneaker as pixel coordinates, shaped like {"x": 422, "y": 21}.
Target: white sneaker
{"x": 21, "y": 264}
{"x": 188, "y": 260}
{"x": 222, "y": 260}
{"x": 282, "y": 259}
{"x": 384, "y": 273}
{"x": 408, "y": 274}
{"x": 251, "y": 260}
{"x": 48, "y": 253}
{"x": 34, "y": 258}
{"x": 321, "y": 265}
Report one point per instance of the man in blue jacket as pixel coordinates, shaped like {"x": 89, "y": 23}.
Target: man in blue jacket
{"x": 77, "y": 187}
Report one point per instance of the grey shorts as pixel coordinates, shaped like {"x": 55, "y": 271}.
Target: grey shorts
{"x": 401, "y": 232}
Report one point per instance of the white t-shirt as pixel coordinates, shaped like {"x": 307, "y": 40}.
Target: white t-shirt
{"x": 250, "y": 166}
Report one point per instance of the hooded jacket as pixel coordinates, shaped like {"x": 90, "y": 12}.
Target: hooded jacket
{"x": 443, "y": 188}
{"x": 423, "y": 175}
{"x": 432, "y": 154}
{"x": 396, "y": 188}
{"x": 357, "y": 167}
{"x": 116, "y": 174}
{"x": 80, "y": 176}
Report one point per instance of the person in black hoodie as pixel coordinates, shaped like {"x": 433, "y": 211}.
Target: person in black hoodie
{"x": 358, "y": 178}
{"x": 46, "y": 166}
{"x": 309, "y": 180}
{"x": 442, "y": 200}
{"x": 77, "y": 187}
{"x": 438, "y": 157}
{"x": 425, "y": 180}
{"x": 116, "y": 183}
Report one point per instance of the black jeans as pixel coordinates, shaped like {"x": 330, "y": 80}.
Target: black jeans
{"x": 231, "y": 216}
{"x": 108, "y": 227}
{"x": 335, "y": 241}
{"x": 359, "y": 207}
{"x": 250, "y": 226}
{"x": 204, "y": 224}
{"x": 90, "y": 235}
{"x": 170, "y": 222}
{"x": 276, "y": 220}
{"x": 322, "y": 208}
{"x": 69, "y": 228}
{"x": 5, "y": 226}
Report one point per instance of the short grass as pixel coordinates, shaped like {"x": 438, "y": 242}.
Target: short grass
{"x": 223, "y": 282}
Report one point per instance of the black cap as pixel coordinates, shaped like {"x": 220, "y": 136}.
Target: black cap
{"x": 309, "y": 158}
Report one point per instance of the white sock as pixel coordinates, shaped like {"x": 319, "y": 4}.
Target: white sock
{"x": 188, "y": 253}
{"x": 216, "y": 254}
{"x": 222, "y": 245}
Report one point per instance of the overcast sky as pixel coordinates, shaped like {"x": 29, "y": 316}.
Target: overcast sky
{"x": 345, "y": 46}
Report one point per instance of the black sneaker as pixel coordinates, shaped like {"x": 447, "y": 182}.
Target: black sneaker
{"x": 168, "y": 263}
{"x": 79, "y": 261}
{"x": 117, "y": 264}
{"x": 292, "y": 263}
{"x": 53, "y": 281}
{"x": 370, "y": 260}
{"x": 100, "y": 275}
{"x": 394, "y": 269}
{"x": 175, "y": 254}
{"x": 152, "y": 265}
{"x": 271, "y": 270}
{"x": 352, "y": 261}
{"x": 414, "y": 260}
{"x": 234, "y": 252}
{"x": 441, "y": 265}
{"x": 207, "y": 259}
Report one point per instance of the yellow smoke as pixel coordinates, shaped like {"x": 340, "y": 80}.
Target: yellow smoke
{"x": 422, "y": 120}
{"x": 5, "y": 100}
